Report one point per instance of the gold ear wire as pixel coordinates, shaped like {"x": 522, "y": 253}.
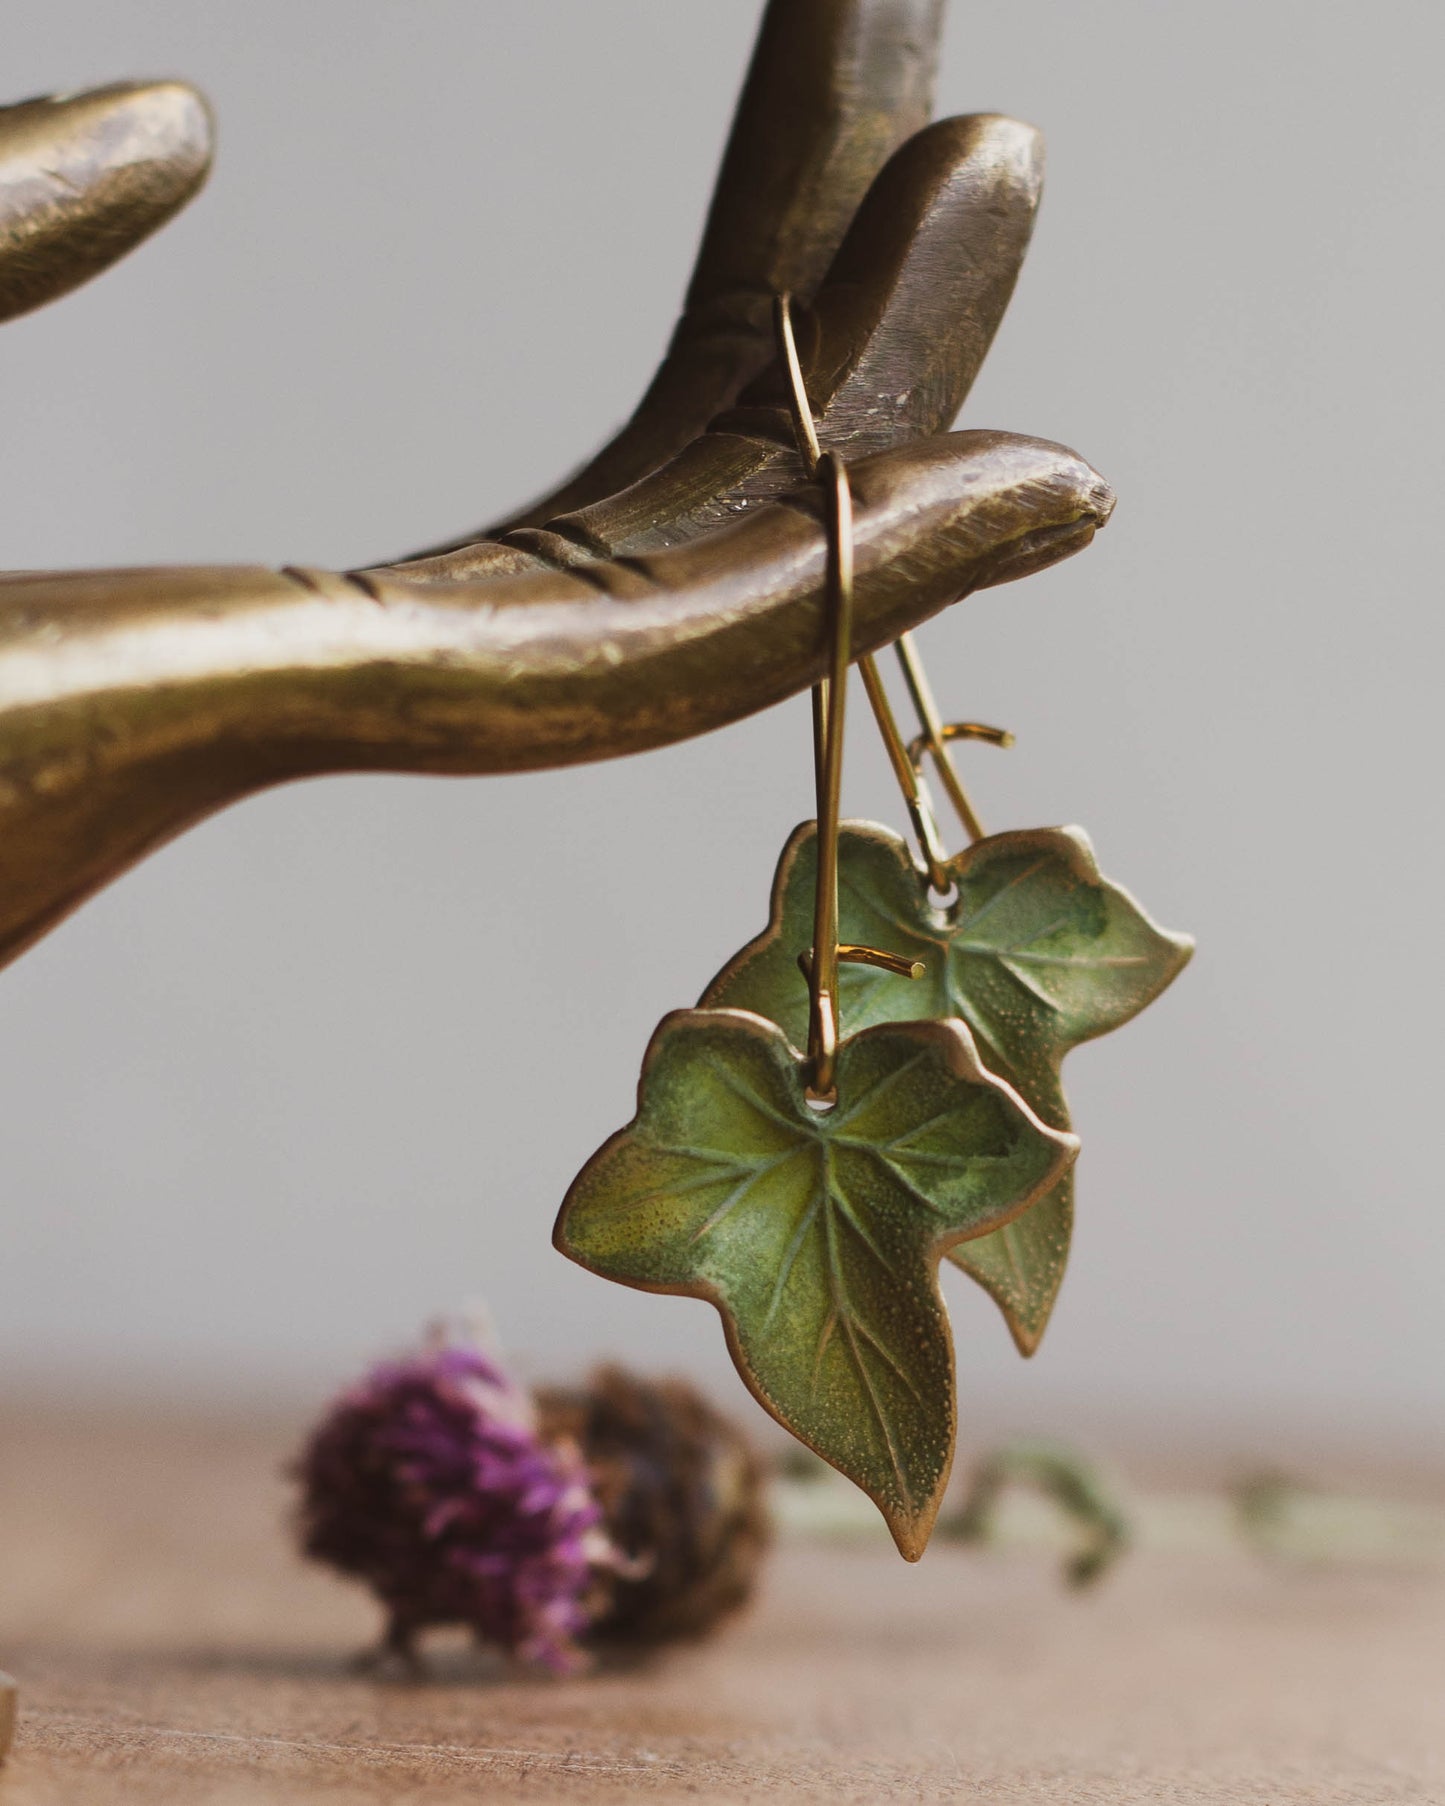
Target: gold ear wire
{"x": 805, "y": 430}
{"x": 823, "y": 978}
{"x": 938, "y": 734}
{"x": 909, "y": 774}
{"x": 905, "y": 768}
{"x": 934, "y": 740}
{"x": 830, "y": 700}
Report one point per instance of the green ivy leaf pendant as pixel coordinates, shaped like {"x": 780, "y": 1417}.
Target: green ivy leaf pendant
{"x": 818, "y": 1233}
{"x": 1038, "y": 953}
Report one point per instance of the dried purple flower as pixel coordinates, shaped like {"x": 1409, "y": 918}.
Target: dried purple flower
{"x": 429, "y": 1482}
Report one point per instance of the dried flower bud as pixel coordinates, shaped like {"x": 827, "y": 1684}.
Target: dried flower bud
{"x": 683, "y": 1496}
{"x": 429, "y": 1482}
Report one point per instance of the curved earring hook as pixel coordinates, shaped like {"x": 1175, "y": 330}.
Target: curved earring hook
{"x": 823, "y": 978}
{"x": 830, "y": 701}
{"x": 938, "y": 735}
{"x": 905, "y": 770}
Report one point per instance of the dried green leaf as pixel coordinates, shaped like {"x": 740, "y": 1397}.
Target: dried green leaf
{"x": 817, "y": 1234}
{"x": 1038, "y": 953}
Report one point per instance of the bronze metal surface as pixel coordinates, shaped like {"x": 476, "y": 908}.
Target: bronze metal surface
{"x": 906, "y": 770}
{"x": 133, "y": 703}
{"x": 889, "y": 350}
{"x": 85, "y": 177}
{"x": 835, "y": 86}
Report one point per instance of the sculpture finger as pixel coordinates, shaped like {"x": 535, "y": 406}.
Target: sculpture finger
{"x": 85, "y": 177}
{"x": 901, "y": 326}
{"x": 834, "y": 86}
{"x": 133, "y": 703}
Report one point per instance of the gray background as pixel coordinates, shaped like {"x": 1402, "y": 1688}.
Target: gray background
{"x": 325, "y": 1066}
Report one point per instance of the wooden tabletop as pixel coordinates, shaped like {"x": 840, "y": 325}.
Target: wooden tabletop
{"x": 169, "y": 1648}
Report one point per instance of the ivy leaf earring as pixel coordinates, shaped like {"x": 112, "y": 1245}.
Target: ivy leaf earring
{"x": 817, "y": 1233}
{"x": 1034, "y": 948}
{"x": 1038, "y": 952}
{"x": 810, "y": 1196}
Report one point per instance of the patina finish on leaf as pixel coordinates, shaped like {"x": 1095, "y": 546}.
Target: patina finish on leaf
{"x": 1038, "y": 953}
{"x": 818, "y": 1234}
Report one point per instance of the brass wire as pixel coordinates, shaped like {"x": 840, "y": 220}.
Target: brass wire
{"x": 936, "y": 735}
{"x": 823, "y": 982}
{"x": 830, "y": 699}
{"x": 905, "y": 769}
{"x": 933, "y": 741}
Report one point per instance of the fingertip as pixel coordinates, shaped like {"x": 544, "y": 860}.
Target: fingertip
{"x": 86, "y": 177}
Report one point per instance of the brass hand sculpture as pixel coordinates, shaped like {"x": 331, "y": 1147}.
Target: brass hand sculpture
{"x": 673, "y": 585}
